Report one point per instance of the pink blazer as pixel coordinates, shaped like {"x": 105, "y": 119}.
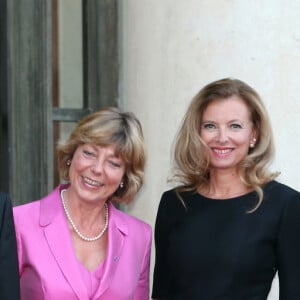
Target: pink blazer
{"x": 49, "y": 269}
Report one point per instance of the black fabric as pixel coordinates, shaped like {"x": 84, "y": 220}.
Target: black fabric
{"x": 215, "y": 250}
{"x": 9, "y": 274}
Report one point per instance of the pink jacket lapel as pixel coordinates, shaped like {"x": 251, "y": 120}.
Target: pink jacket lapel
{"x": 117, "y": 231}
{"x": 59, "y": 241}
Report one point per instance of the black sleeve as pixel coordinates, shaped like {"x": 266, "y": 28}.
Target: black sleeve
{"x": 161, "y": 276}
{"x": 288, "y": 249}
{"x": 9, "y": 274}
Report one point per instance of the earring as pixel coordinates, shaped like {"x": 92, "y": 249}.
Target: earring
{"x": 121, "y": 184}
{"x": 68, "y": 163}
{"x": 252, "y": 144}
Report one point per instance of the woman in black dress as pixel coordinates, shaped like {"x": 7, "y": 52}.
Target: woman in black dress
{"x": 229, "y": 226}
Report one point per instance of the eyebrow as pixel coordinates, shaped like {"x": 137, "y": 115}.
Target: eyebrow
{"x": 113, "y": 153}
{"x": 242, "y": 123}
{"x": 230, "y": 121}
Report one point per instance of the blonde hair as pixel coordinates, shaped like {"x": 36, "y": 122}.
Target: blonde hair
{"x": 191, "y": 165}
{"x": 110, "y": 126}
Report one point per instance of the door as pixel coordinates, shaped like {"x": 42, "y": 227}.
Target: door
{"x": 34, "y": 111}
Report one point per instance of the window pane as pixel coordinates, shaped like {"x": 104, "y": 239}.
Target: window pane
{"x": 70, "y": 53}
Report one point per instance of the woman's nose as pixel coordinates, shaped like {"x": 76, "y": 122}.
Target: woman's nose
{"x": 97, "y": 167}
{"x": 222, "y": 135}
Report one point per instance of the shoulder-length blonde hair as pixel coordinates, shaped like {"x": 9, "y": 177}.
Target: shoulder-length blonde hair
{"x": 191, "y": 165}
{"x": 110, "y": 126}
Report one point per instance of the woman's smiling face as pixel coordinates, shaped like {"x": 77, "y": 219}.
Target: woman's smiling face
{"x": 95, "y": 172}
{"x": 227, "y": 130}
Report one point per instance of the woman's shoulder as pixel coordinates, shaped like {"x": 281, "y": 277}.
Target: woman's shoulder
{"x": 27, "y": 206}
{"x": 279, "y": 189}
{"x": 128, "y": 220}
{"x": 26, "y": 209}
{"x": 177, "y": 197}
{"x": 281, "y": 195}
{"x": 47, "y": 203}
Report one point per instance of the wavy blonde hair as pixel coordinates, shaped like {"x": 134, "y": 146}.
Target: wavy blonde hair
{"x": 110, "y": 126}
{"x": 191, "y": 164}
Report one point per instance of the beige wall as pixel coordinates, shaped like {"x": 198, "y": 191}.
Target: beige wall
{"x": 171, "y": 48}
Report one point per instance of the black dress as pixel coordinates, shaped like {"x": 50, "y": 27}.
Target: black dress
{"x": 215, "y": 250}
{"x": 9, "y": 273}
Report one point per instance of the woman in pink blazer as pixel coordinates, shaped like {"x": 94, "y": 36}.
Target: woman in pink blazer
{"x": 73, "y": 243}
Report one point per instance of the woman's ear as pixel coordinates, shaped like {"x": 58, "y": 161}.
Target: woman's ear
{"x": 254, "y": 138}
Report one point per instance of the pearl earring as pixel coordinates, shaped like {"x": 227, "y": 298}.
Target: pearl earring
{"x": 121, "y": 184}
{"x": 252, "y": 144}
{"x": 68, "y": 163}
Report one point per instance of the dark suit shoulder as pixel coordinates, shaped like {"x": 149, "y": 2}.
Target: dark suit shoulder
{"x": 4, "y": 197}
{"x": 4, "y": 202}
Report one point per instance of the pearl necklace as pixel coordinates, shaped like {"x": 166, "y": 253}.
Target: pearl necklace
{"x": 88, "y": 239}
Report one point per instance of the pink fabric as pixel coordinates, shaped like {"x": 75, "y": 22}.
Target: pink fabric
{"x": 49, "y": 270}
{"x": 91, "y": 279}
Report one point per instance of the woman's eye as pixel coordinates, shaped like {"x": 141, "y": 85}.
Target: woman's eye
{"x": 209, "y": 126}
{"x": 236, "y": 126}
{"x": 88, "y": 152}
{"x": 114, "y": 164}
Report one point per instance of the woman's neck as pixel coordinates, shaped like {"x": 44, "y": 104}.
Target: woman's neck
{"x": 223, "y": 185}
